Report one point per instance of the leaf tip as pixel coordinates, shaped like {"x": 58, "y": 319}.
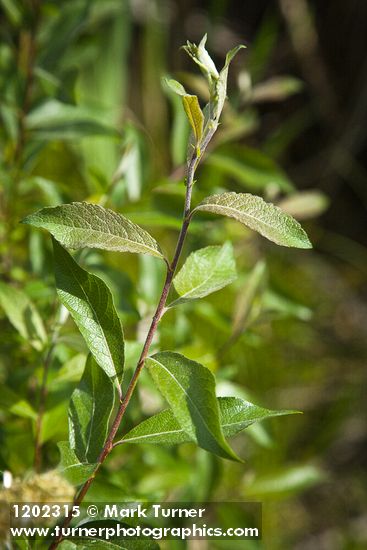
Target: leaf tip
{"x": 305, "y": 242}
{"x": 28, "y": 220}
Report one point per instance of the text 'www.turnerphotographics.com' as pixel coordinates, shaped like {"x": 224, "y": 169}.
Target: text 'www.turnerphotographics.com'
{"x": 228, "y": 520}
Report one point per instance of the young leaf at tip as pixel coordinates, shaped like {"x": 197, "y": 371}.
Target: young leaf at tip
{"x": 191, "y": 107}
{"x": 217, "y": 80}
{"x": 175, "y": 86}
{"x": 265, "y": 218}
{"x": 90, "y": 304}
{"x": 189, "y": 389}
{"x": 235, "y": 416}
{"x": 205, "y": 271}
{"x": 81, "y": 224}
{"x": 194, "y": 115}
{"x": 221, "y": 83}
{"x": 90, "y": 409}
{"x": 202, "y": 58}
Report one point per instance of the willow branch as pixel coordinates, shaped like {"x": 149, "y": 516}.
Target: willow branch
{"x": 171, "y": 269}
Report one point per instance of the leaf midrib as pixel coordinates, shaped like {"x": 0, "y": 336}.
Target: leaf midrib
{"x": 231, "y": 209}
{"x": 155, "y": 434}
{"x": 181, "y": 430}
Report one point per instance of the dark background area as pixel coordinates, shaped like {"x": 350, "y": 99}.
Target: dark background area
{"x": 325, "y": 44}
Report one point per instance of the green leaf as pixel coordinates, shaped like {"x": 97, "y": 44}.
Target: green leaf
{"x": 277, "y": 88}
{"x": 247, "y": 304}
{"x": 56, "y": 120}
{"x": 89, "y": 412}
{"x": 175, "y": 86}
{"x": 54, "y": 422}
{"x": 189, "y": 389}
{"x": 115, "y": 543}
{"x": 249, "y": 168}
{"x": 90, "y": 304}
{"x": 284, "y": 482}
{"x": 50, "y": 189}
{"x": 13, "y": 403}
{"x": 235, "y": 415}
{"x": 71, "y": 370}
{"x": 205, "y": 271}
{"x": 81, "y": 224}
{"x": 23, "y": 315}
{"x": 285, "y": 307}
{"x": 201, "y": 57}
{"x": 95, "y": 543}
{"x": 71, "y": 468}
{"x": 194, "y": 115}
{"x": 217, "y": 81}
{"x": 265, "y": 218}
{"x": 179, "y": 140}
{"x": 221, "y": 83}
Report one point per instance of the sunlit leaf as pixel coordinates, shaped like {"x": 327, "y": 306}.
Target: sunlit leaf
{"x": 194, "y": 115}
{"x": 23, "y": 315}
{"x": 235, "y": 415}
{"x": 265, "y": 218}
{"x": 90, "y": 409}
{"x": 189, "y": 389}
{"x": 221, "y": 83}
{"x": 81, "y": 224}
{"x": 71, "y": 468}
{"x": 205, "y": 271}
{"x": 90, "y": 304}
{"x": 175, "y": 86}
{"x": 201, "y": 57}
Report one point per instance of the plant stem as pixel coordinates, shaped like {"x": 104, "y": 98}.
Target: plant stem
{"x": 171, "y": 268}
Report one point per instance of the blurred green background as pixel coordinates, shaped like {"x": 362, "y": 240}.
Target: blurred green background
{"x": 84, "y": 116}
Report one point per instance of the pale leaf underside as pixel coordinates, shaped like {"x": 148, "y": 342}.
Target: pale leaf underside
{"x": 265, "y": 218}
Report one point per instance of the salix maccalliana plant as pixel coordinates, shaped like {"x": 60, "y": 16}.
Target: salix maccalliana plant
{"x": 194, "y": 412}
